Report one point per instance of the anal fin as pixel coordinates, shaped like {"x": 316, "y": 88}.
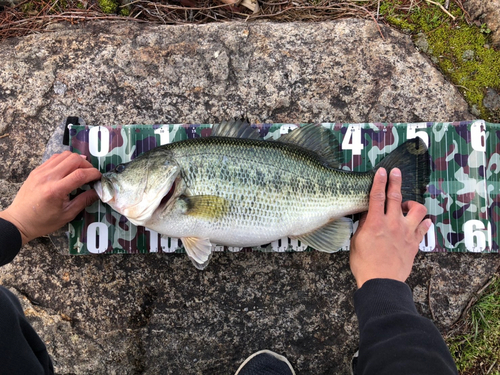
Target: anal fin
{"x": 330, "y": 237}
{"x": 199, "y": 250}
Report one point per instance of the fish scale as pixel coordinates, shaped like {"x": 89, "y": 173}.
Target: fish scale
{"x": 291, "y": 187}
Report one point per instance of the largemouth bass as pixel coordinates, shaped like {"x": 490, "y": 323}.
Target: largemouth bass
{"x": 235, "y": 189}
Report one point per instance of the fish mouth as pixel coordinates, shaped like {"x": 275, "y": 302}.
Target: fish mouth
{"x": 167, "y": 198}
{"x": 102, "y": 189}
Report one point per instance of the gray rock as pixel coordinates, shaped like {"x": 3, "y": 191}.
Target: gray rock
{"x": 422, "y": 44}
{"x": 155, "y": 314}
{"x": 486, "y": 11}
{"x": 492, "y": 100}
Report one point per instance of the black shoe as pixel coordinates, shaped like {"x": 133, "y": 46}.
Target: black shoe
{"x": 265, "y": 362}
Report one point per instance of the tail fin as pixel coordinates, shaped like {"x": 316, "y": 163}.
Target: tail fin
{"x": 412, "y": 158}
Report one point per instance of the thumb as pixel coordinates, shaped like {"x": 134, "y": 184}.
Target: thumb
{"x": 422, "y": 228}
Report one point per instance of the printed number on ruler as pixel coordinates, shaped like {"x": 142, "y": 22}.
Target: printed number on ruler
{"x": 280, "y": 245}
{"x": 429, "y": 241}
{"x": 478, "y": 136}
{"x": 163, "y": 242}
{"x": 475, "y": 237}
{"x": 287, "y": 128}
{"x": 164, "y": 132}
{"x": 352, "y": 139}
{"x": 411, "y": 132}
{"x": 97, "y": 238}
{"x": 97, "y": 133}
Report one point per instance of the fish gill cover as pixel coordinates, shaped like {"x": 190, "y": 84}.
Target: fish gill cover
{"x": 462, "y": 198}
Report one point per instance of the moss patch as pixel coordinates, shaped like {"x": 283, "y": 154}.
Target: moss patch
{"x": 461, "y": 51}
{"x": 108, "y": 6}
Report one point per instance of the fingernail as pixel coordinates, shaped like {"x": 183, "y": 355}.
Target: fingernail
{"x": 396, "y": 172}
{"x": 382, "y": 172}
{"x": 83, "y": 157}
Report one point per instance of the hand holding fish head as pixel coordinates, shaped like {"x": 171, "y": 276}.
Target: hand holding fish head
{"x": 136, "y": 190}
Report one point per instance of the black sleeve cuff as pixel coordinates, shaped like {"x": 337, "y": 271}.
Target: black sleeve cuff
{"x": 10, "y": 241}
{"x": 379, "y": 297}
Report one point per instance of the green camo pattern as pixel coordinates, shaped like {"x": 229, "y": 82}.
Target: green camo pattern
{"x": 462, "y": 199}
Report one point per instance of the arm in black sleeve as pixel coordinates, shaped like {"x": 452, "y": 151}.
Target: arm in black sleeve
{"x": 394, "y": 338}
{"x": 10, "y": 241}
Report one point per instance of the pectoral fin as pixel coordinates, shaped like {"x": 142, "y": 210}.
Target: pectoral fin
{"x": 199, "y": 250}
{"x": 206, "y": 206}
{"x": 330, "y": 237}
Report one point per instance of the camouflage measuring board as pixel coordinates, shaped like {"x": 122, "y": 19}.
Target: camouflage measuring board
{"x": 463, "y": 197}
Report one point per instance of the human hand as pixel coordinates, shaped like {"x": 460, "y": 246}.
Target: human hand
{"x": 42, "y": 205}
{"x": 386, "y": 241}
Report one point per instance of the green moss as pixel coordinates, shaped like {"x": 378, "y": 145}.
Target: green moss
{"x": 108, "y": 6}
{"x": 459, "y": 50}
{"x": 125, "y": 12}
{"x": 463, "y": 54}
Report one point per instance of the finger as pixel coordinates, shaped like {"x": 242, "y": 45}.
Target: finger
{"x": 56, "y": 159}
{"x": 50, "y": 162}
{"x": 81, "y": 201}
{"x": 77, "y": 178}
{"x": 67, "y": 163}
{"x": 416, "y": 212}
{"x": 422, "y": 229}
{"x": 376, "y": 204}
{"x": 394, "y": 197}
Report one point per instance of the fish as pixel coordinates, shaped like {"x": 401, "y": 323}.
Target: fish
{"x": 236, "y": 189}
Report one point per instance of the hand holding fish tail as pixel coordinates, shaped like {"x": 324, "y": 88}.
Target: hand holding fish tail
{"x": 42, "y": 205}
{"x": 386, "y": 242}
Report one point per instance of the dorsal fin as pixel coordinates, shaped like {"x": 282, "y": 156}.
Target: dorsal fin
{"x": 316, "y": 138}
{"x": 236, "y": 128}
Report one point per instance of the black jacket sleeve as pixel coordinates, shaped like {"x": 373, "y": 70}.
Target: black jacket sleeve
{"x": 394, "y": 338}
{"x": 21, "y": 349}
{"x": 10, "y": 241}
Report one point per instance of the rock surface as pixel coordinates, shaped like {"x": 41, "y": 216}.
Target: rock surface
{"x": 486, "y": 11}
{"x": 131, "y": 314}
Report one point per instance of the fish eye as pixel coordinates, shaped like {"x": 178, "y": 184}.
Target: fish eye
{"x": 120, "y": 168}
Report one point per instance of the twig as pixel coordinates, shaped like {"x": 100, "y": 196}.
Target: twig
{"x": 442, "y": 8}
{"x": 475, "y": 298}
{"x": 491, "y": 367}
{"x": 4, "y": 136}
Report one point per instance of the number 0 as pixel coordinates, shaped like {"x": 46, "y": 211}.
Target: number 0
{"x": 97, "y": 238}
{"x": 429, "y": 241}
{"x": 99, "y": 135}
